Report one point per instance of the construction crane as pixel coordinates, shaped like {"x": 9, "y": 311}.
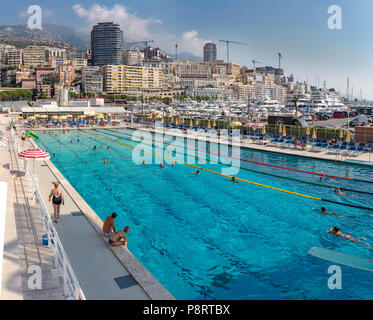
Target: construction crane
{"x": 279, "y": 59}
{"x": 145, "y": 42}
{"x": 227, "y": 42}
{"x": 254, "y": 61}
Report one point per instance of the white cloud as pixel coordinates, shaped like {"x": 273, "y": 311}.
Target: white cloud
{"x": 190, "y": 42}
{"x": 134, "y": 27}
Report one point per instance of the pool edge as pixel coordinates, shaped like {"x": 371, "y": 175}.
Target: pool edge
{"x": 151, "y": 286}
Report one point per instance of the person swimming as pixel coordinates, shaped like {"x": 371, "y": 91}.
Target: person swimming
{"x": 323, "y": 211}
{"x": 338, "y": 191}
{"x": 108, "y": 148}
{"x": 336, "y": 231}
{"x": 196, "y": 172}
{"x": 161, "y": 165}
{"x": 173, "y": 163}
{"x": 94, "y": 148}
{"x": 105, "y": 161}
{"x": 233, "y": 180}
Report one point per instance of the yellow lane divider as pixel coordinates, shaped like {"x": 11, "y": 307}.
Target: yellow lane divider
{"x": 208, "y": 170}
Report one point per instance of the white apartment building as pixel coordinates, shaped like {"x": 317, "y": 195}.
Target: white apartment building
{"x": 34, "y": 56}
{"x": 192, "y": 70}
{"x": 92, "y": 80}
{"x": 133, "y": 57}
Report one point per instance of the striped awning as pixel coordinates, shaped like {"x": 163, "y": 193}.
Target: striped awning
{"x": 34, "y": 154}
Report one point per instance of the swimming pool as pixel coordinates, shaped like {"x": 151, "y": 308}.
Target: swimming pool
{"x": 204, "y": 237}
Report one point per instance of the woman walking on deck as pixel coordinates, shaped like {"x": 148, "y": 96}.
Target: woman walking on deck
{"x": 57, "y": 200}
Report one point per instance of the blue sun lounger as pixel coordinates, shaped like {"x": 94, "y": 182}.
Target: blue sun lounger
{"x": 360, "y": 149}
{"x": 341, "y": 258}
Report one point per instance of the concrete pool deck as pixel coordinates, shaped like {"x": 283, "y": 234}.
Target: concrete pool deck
{"x": 104, "y": 272}
{"x": 95, "y": 263}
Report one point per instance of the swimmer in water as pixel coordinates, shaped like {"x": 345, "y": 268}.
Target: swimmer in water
{"x": 323, "y": 211}
{"x": 196, "y": 172}
{"x": 173, "y": 163}
{"x": 94, "y": 148}
{"x": 101, "y": 146}
{"x": 143, "y": 162}
{"x": 323, "y": 177}
{"x": 54, "y": 154}
{"x": 233, "y": 180}
{"x": 161, "y": 165}
{"x": 105, "y": 161}
{"x": 336, "y": 231}
{"x": 108, "y": 149}
{"x": 338, "y": 191}
{"x": 78, "y": 140}
{"x": 71, "y": 141}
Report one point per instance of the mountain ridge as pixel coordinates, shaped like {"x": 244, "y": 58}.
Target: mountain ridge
{"x": 59, "y": 35}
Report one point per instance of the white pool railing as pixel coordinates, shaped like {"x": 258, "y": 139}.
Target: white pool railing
{"x": 72, "y": 289}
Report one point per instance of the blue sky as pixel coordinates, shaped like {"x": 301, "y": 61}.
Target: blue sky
{"x": 296, "y": 28}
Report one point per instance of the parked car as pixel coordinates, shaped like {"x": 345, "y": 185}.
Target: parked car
{"x": 324, "y": 115}
{"x": 351, "y": 114}
{"x": 339, "y": 114}
{"x": 361, "y": 120}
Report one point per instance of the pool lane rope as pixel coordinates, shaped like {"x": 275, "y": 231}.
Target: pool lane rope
{"x": 246, "y": 169}
{"x": 292, "y": 169}
{"x": 228, "y": 176}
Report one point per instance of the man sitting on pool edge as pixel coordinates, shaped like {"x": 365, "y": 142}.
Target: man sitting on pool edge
{"x": 108, "y": 225}
{"x": 119, "y": 238}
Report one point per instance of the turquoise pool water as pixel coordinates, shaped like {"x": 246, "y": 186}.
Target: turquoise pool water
{"x": 204, "y": 237}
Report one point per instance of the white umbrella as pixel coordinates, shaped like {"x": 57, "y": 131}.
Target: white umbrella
{"x": 36, "y": 154}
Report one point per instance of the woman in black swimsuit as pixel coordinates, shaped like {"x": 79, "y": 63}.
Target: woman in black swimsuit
{"x": 57, "y": 200}
{"x": 23, "y": 137}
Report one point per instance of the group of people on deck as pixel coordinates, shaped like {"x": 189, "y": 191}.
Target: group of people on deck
{"x": 115, "y": 237}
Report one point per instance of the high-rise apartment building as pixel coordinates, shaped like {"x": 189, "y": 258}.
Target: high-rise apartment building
{"x": 209, "y": 52}
{"x": 107, "y": 44}
{"x": 131, "y": 79}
